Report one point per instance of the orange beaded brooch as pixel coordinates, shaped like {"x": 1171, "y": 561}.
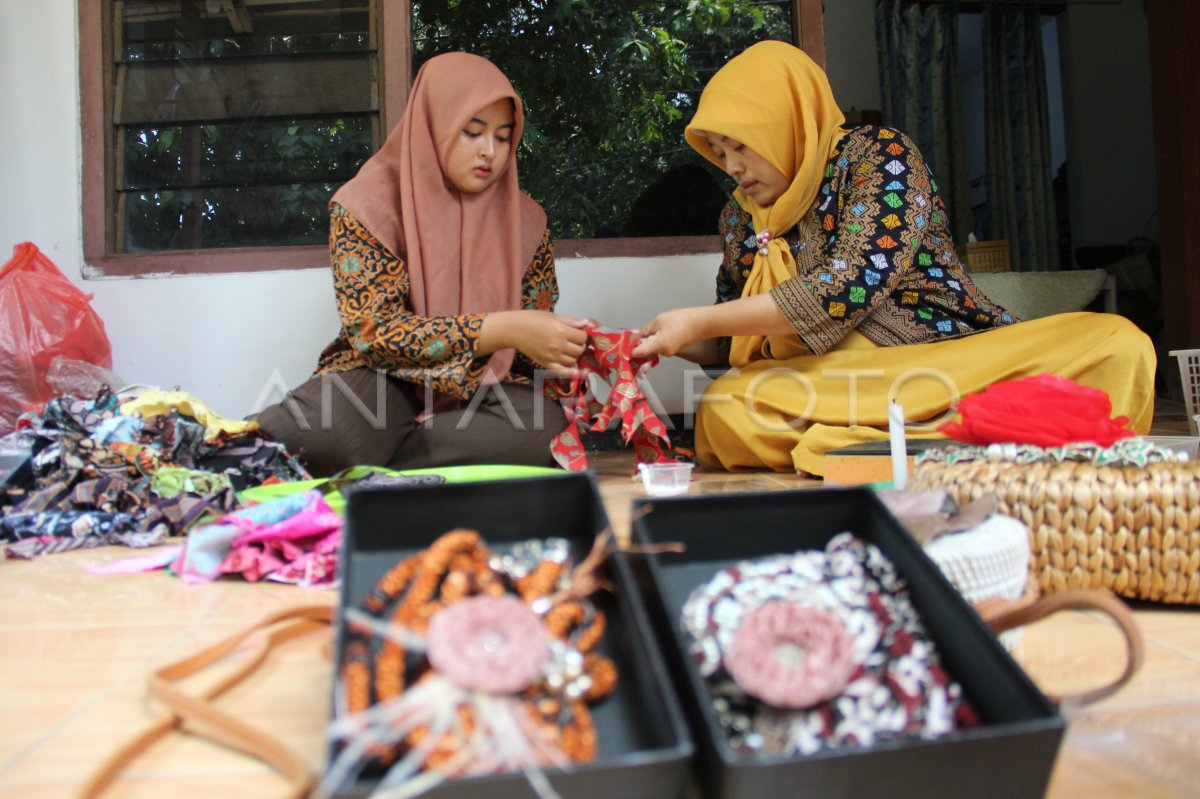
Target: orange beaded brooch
{"x": 463, "y": 661}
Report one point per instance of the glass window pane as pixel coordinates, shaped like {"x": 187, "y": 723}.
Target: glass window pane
{"x": 609, "y": 86}
{"x": 237, "y": 119}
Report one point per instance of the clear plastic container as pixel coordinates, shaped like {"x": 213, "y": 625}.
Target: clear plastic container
{"x": 665, "y": 479}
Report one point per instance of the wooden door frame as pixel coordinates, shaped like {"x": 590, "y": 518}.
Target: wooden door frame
{"x": 1174, "y": 32}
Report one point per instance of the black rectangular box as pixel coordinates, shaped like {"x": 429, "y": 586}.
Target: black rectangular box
{"x": 1009, "y": 756}
{"x": 645, "y": 747}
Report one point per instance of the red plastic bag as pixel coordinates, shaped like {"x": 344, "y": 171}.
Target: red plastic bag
{"x": 43, "y": 316}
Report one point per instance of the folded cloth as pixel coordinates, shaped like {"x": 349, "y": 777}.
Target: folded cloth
{"x": 608, "y": 354}
{"x": 1043, "y": 410}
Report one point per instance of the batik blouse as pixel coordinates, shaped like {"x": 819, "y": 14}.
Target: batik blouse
{"x": 874, "y": 254}
{"x": 380, "y": 331}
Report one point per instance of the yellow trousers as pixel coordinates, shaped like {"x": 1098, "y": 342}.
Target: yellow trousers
{"x": 786, "y": 414}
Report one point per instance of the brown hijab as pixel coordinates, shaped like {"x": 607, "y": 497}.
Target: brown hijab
{"x": 465, "y": 253}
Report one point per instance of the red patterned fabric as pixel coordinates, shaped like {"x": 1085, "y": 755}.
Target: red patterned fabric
{"x": 608, "y": 355}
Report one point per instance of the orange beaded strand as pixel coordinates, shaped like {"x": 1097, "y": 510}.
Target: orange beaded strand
{"x": 456, "y": 566}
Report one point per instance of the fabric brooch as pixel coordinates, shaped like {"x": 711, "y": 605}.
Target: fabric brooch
{"x": 608, "y": 354}
{"x": 465, "y": 661}
{"x": 817, "y": 650}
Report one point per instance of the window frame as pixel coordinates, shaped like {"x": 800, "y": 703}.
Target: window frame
{"x": 394, "y": 32}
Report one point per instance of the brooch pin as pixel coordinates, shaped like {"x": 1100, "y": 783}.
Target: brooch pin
{"x": 463, "y": 661}
{"x": 817, "y": 650}
{"x": 763, "y": 239}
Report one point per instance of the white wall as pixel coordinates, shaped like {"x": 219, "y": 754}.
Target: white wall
{"x": 231, "y": 340}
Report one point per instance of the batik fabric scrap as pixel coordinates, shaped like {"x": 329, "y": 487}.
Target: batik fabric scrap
{"x": 608, "y": 354}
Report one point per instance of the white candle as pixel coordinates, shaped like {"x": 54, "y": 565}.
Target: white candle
{"x": 899, "y": 448}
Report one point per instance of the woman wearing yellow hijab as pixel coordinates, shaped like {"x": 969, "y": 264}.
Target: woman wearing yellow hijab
{"x": 841, "y": 291}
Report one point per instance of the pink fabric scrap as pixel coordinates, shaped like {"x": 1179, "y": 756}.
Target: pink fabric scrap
{"x": 208, "y": 544}
{"x": 314, "y": 519}
{"x": 141, "y": 563}
{"x": 304, "y": 561}
{"x": 301, "y": 549}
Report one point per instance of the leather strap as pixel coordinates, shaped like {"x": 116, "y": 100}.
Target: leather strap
{"x": 214, "y": 723}
{"x": 1006, "y": 614}
{"x": 223, "y": 727}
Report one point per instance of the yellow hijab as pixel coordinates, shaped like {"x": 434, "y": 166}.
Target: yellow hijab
{"x": 775, "y": 100}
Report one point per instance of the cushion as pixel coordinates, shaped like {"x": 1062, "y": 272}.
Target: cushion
{"x": 1031, "y": 295}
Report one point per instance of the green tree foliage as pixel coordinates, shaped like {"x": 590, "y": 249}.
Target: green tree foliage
{"x": 609, "y": 86}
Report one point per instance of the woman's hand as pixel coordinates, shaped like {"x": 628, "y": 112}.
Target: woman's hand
{"x": 670, "y": 333}
{"x": 678, "y": 332}
{"x": 550, "y": 340}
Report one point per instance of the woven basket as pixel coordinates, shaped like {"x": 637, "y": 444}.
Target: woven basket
{"x": 1134, "y": 530}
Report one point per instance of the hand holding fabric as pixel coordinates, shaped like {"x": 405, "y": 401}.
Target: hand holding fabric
{"x": 608, "y": 355}
{"x": 552, "y": 341}
{"x": 669, "y": 333}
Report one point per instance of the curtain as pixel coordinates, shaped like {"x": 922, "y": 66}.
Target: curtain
{"x": 917, "y": 47}
{"x": 1020, "y": 174}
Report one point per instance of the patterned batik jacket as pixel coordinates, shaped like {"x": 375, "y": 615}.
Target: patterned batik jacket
{"x": 380, "y": 331}
{"x": 874, "y": 254}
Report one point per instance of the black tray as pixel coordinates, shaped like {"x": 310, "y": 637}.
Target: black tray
{"x": 1010, "y": 756}
{"x": 644, "y": 744}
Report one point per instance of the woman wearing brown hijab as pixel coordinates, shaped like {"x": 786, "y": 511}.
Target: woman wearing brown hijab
{"x": 445, "y": 284}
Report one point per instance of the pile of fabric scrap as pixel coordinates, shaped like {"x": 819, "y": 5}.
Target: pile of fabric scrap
{"x": 131, "y": 472}
{"x": 291, "y": 539}
{"x": 285, "y": 533}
